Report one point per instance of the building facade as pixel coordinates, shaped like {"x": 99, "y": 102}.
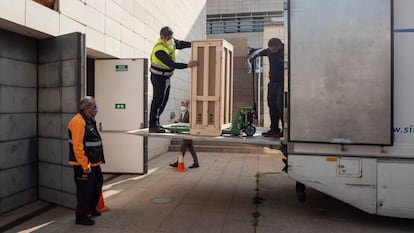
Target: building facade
{"x": 46, "y": 47}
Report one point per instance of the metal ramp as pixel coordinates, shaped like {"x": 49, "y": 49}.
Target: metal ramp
{"x": 256, "y": 139}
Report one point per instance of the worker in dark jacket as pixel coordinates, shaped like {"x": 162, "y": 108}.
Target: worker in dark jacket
{"x": 275, "y": 90}
{"x": 187, "y": 143}
{"x": 86, "y": 155}
{"x": 163, "y": 64}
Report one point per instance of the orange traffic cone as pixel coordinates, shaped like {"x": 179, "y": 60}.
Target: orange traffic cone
{"x": 180, "y": 164}
{"x": 101, "y": 205}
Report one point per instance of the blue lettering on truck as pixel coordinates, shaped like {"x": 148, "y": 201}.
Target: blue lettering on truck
{"x": 404, "y": 130}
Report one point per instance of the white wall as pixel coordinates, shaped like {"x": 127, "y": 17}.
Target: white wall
{"x": 116, "y": 28}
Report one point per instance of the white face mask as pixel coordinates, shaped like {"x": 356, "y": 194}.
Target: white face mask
{"x": 170, "y": 42}
{"x": 95, "y": 111}
{"x": 183, "y": 108}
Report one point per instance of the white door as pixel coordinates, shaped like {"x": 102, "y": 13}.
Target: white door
{"x": 120, "y": 95}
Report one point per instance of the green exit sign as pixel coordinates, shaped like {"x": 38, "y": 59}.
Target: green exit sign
{"x": 121, "y": 67}
{"x": 120, "y": 106}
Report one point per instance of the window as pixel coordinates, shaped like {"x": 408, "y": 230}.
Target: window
{"x": 237, "y": 23}
{"x": 246, "y": 26}
{"x": 258, "y": 25}
{"x": 47, "y": 3}
{"x": 215, "y": 27}
{"x": 230, "y": 27}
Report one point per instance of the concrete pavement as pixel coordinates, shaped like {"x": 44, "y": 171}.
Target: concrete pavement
{"x": 217, "y": 197}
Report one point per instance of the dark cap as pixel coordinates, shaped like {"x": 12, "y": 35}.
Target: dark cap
{"x": 166, "y": 31}
{"x": 274, "y": 42}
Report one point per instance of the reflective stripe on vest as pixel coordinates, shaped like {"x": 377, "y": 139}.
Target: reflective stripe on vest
{"x": 89, "y": 144}
{"x": 157, "y": 72}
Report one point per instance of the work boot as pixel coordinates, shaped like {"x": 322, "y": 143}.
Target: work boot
{"x": 85, "y": 221}
{"x": 285, "y": 168}
{"x": 272, "y": 133}
{"x": 95, "y": 213}
{"x": 156, "y": 129}
{"x": 195, "y": 165}
{"x": 159, "y": 125}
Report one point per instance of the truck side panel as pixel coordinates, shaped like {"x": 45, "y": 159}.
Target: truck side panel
{"x": 340, "y": 80}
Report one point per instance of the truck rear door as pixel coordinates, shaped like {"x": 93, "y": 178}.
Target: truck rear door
{"x": 340, "y": 71}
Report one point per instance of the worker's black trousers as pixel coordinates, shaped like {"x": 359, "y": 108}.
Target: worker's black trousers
{"x": 189, "y": 144}
{"x": 88, "y": 190}
{"x": 275, "y": 103}
{"x": 161, "y": 92}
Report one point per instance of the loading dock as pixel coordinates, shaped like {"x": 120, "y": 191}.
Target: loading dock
{"x": 256, "y": 139}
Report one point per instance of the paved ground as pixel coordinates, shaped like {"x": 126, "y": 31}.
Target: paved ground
{"x": 217, "y": 197}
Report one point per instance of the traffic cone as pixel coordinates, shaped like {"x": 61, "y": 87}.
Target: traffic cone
{"x": 101, "y": 205}
{"x": 180, "y": 164}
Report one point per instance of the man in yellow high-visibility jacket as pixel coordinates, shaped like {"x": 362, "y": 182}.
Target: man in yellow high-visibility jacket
{"x": 163, "y": 64}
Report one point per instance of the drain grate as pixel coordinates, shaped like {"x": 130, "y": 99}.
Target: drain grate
{"x": 162, "y": 200}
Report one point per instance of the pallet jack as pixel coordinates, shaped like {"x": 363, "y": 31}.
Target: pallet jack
{"x": 244, "y": 119}
{"x": 242, "y": 123}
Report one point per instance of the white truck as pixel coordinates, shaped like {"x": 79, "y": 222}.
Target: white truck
{"x": 349, "y": 116}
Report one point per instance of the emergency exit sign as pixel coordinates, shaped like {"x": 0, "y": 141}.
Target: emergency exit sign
{"x": 120, "y": 106}
{"x": 121, "y": 67}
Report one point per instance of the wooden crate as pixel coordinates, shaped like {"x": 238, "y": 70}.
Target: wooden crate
{"x": 211, "y": 87}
